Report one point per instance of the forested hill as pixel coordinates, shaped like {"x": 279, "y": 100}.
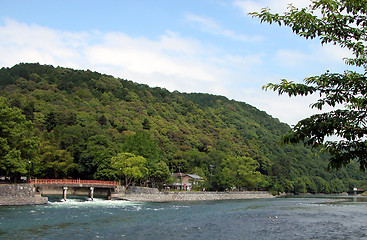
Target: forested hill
{"x": 65, "y": 123}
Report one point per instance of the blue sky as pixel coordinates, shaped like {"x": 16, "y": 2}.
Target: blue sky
{"x": 208, "y": 46}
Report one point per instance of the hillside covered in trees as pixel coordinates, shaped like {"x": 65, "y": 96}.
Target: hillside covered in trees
{"x": 65, "y": 123}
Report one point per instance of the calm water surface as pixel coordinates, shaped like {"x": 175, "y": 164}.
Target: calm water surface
{"x": 281, "y": 218}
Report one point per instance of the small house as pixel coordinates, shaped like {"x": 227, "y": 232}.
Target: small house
{"x": 183, "y": 181}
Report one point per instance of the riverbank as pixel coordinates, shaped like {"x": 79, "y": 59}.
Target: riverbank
{"x": 20, "y": 194}
{"x": 139, "y": 194}
{"x": 25, "y": 194}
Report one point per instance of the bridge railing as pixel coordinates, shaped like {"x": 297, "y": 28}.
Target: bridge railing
{"x": 72, "y": 181}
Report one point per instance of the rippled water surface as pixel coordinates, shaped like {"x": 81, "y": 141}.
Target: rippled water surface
{"x": 281, "y": 218}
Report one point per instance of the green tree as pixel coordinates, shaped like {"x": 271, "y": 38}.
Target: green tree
{"x": 129, "y": 167}
{"x": 55, "y": 163}
{"x": 18, "y": 145}
{"x": 299, "y": 186}
{"x": 241, "y": 172}
{"x": 159, "y": 173}
{"x": 95, "y": 157}
{"x": 343, "y": 23}
{"x": 143, "y": 144}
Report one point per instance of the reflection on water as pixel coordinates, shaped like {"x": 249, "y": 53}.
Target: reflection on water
{"x": 321, "y": 217}
{"x": 359, "y": 199}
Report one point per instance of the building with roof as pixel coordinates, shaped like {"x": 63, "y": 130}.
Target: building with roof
{"x": 183, "y": 181}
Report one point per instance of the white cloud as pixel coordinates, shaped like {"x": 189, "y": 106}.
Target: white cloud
{"x": 312, "y": 59}
{"x": 335, "y": 52}
{"x": 278, "y": 6}
{"x": 214, "y": 28}
{"x": 27, "y": 43}
{"x": 286, "y": 109}
{"x": 168, "y": 55}
{"x": 243, "y": 63}
{"x": 291, "y": 58}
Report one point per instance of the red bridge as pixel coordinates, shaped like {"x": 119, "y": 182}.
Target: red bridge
{"x": 72, "y": 181}
{"x": 76, "y": 187}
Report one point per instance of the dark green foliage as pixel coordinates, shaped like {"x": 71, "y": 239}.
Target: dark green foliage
{"x": 142, "y": 144}
{"x": 146, "y": 124}
{"x": 55, "y": 163}
{"x": 88, "y": 123}
{"x": 18, "y": 143}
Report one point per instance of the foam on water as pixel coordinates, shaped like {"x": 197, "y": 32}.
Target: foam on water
{"x": 96, "y": 202}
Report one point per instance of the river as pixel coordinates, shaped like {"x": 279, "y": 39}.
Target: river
{"x": 280, "y": 218}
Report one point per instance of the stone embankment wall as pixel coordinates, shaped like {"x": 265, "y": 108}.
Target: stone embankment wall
{"x": 20, "y": 194}
{"x": 153, "y": 195}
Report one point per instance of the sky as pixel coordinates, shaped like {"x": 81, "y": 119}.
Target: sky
{"x": 207, "y": 46}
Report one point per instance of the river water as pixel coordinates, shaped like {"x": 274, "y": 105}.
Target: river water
{"x": 280, "y": 218}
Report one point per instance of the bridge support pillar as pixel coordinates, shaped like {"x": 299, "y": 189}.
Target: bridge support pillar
{"x": 64, "y": 190}
{"x": 109, "y": 197}
{"x": 91, "y": 192}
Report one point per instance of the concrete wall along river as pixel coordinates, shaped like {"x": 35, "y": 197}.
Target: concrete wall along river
{"x": 20, "y": 194}
{"x": 153, "y": 195}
